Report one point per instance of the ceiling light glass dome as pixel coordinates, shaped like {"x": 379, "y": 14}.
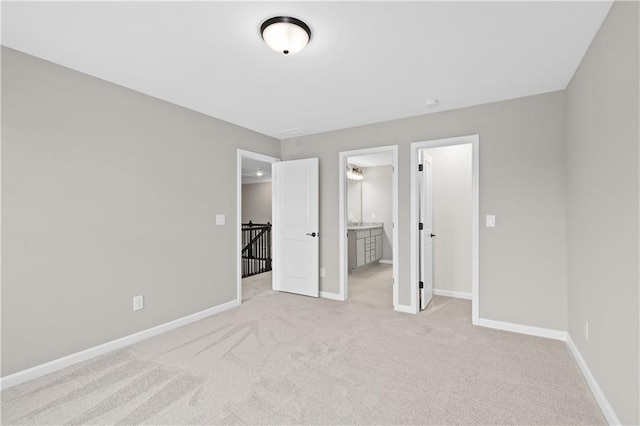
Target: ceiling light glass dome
{"x": 285, "y": 34}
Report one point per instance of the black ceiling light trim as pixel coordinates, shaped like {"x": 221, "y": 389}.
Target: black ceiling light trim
{"x": 284, "y": 20}
{"x": 287, "y": 19}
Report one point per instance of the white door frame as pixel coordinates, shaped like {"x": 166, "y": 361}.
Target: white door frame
{"x": 474, "y": 140}
{"x": 425, "y": 238}
{"x": 342, "y": 211}
{"x": 254, "y": 156}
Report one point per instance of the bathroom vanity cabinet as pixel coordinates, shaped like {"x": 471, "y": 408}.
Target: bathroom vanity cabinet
{"x": 365, "y": 245}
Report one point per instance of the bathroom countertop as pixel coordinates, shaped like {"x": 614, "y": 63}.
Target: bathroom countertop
{"x": 361, "y": 226}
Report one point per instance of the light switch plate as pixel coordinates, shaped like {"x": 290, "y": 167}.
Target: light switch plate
{"x": 220, "y": 219}
{"x": 491, "y": 221}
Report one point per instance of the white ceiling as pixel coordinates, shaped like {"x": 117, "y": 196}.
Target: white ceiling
{"x": 250, "y": 169}
{"x": 372, "y": 160}
{"x": 366, "y": 62}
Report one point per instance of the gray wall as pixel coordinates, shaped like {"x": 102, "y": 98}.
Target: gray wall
{"x": 106, "y": 194}
{"x": 452, "y": 199}
{"x": 256, "y": 202}
{"x": 522, "y": 181}
{"x": 602, "y": 209}
{"x": 377, "y": 190}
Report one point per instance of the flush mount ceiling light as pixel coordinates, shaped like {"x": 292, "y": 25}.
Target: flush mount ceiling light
{"x": 259, "y": 172}
{"x": 285, "y": 34}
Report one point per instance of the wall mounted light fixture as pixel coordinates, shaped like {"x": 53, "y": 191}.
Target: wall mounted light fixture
{"x": 285, "y": 34}
{"x": 355, "y": 173}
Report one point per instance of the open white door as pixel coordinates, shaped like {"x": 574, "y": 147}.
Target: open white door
{"x": 296, "y": 227}
{"x": 426, "y": 233}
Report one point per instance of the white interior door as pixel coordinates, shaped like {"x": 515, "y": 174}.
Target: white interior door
{"x": 426, "y": 234}
{"x": 296, "y": 227}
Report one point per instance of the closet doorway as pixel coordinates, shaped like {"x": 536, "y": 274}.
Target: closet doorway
{"x": 463, "y": 251}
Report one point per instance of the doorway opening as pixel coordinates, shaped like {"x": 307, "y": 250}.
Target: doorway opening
{"x": 445, "y": 209}
{"x": 368, "y": 208}
{"x": 254, "y": 219}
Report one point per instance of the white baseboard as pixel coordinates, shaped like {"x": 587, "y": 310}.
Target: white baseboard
{"x": 386, "y": 261}
{"x": 524, "y": 329}
{"x": 332, "y": 296}
{"x": 60, "y": 363}
{"x": 448, "y": 293}
{"x": 602, "y": 400}
{"x": 404, "y": 308}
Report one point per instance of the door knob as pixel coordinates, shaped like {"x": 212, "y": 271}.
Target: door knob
{"x": 313, "y": 234}
{"x": 433, "y": 235}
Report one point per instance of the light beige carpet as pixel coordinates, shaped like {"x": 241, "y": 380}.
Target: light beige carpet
{"x": 286, "y": 359}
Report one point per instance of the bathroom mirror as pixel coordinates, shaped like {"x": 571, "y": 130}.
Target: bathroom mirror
{"x": 354, "y": 200}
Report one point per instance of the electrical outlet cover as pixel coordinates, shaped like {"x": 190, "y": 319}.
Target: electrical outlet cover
{"x": 138, "y": 303}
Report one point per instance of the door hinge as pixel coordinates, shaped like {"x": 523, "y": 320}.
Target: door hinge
{"x": 420, "y": 226}
{"x": 420, "y": 167}
{"x": 420, "y": 284}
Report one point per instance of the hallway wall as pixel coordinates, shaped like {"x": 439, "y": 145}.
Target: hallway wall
{"x": 256, "y": 202}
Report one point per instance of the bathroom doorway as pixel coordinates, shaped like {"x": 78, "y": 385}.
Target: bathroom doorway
{"x": 368, "y": 231}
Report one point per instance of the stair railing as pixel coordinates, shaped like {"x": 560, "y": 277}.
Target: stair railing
{"x": 256, "y": 248}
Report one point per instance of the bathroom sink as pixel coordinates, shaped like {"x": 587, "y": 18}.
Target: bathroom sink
{"x": 357, "y": 226}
